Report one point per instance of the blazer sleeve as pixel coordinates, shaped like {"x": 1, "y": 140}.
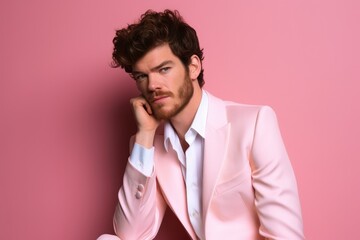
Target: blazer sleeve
{"x": 276, "y": 195}
{"x": 141, "y": 207}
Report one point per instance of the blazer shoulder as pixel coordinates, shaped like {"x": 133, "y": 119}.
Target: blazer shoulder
{"x": 233, "y": 106}
{"x": 236, "y": 111}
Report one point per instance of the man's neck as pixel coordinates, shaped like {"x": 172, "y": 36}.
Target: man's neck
{"x": 183, "y": 120}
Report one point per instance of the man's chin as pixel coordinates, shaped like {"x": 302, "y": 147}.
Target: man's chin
{"x": 162, "y": 114}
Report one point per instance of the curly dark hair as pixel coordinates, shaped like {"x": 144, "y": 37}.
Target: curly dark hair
{"x": 152, "y": 30}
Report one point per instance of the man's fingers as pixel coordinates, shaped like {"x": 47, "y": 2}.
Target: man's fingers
{"x": 148, "y": 108}
{"x": 141, "y": 102}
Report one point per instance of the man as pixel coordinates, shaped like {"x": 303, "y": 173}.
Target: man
{"x": 220, "y": 166}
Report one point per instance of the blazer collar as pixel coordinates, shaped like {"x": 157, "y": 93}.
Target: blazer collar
{"x": 217, "y": 114}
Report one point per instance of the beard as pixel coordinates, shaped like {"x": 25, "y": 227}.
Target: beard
{"x": 184, "y": 94}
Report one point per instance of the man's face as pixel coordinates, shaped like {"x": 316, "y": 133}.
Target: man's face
{"x": 163, "y": 81}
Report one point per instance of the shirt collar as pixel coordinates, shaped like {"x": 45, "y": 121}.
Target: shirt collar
{"x": 198, "y": 125}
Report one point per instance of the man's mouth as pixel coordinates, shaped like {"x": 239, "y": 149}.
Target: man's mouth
{"x": 159, "y": 98}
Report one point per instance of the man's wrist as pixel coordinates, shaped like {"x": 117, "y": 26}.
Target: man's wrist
{"x": 145, "y": 138}
{"x": 142, "y": 159}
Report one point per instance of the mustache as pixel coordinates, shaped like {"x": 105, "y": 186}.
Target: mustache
{"x": 159, "y": 94}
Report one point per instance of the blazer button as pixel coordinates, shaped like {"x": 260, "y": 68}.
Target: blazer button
{"x": 138, "y": 195}
{"x": 140, "y": 187}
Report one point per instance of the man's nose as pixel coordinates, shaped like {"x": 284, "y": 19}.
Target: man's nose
{"x": 154, "y": 82}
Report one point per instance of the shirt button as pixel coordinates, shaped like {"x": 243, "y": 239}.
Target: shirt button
{"x": 140, "y": 187}
{"x": 195, "y": 213}
{"x": 138, "y": 195}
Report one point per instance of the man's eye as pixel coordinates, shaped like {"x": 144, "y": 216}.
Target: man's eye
{"x": 140, "y": 77}
{"x": 164, "y": 69}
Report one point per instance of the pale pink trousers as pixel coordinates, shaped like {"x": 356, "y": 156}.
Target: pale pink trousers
{"x": 108, "y": 237}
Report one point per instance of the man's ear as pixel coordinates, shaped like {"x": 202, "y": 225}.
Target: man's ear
{"x": 194, "y": 67}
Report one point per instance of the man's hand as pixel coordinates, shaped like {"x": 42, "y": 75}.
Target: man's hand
{"x": 145, "y": 120}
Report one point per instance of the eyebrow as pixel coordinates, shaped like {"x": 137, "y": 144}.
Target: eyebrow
{"x": 156, "y": 67}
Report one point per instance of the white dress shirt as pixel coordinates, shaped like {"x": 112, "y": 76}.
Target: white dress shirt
{"x": 191, "y": 161}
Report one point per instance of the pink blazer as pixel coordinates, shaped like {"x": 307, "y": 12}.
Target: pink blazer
{"x": 249, "y": 188}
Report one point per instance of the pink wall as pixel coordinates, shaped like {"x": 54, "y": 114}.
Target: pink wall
{"x": 65, "y": 119}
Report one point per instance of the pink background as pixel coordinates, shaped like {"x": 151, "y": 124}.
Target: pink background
{"x": 65, "y": 119}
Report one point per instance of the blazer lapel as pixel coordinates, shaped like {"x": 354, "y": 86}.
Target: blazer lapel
{"x": 214, "y": 154}
{"x": 215, "y": 149}
{"x": 171, "y": 183}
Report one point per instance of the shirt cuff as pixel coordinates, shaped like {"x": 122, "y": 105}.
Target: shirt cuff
{"x": 142, "y": 159}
